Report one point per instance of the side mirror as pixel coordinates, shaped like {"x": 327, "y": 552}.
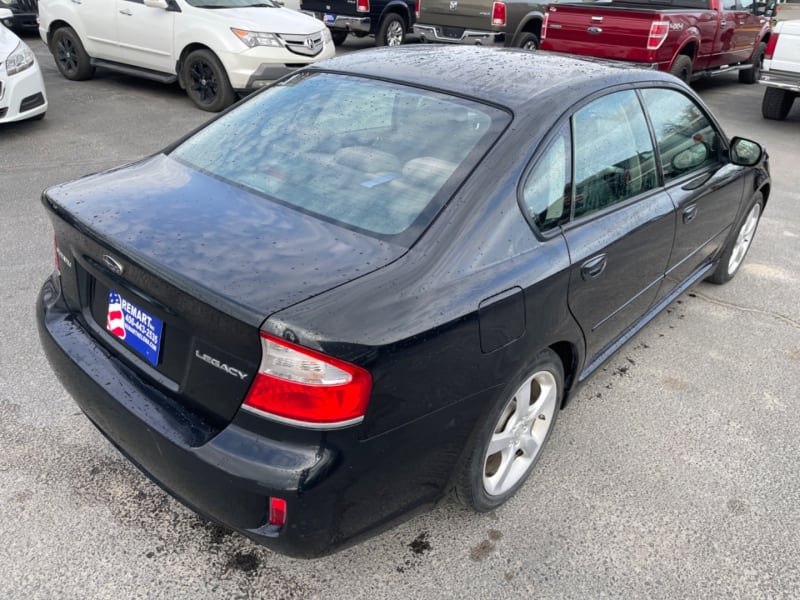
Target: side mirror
{"x": 157, "y": 4}
{"x": 690, "y": 158}
{"x": 745, "y": 153}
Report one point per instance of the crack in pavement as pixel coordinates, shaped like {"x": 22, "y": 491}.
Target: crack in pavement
{"x": 749, "y": 309}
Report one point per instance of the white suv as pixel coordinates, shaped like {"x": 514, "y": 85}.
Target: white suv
{"x": 213, "y": 48}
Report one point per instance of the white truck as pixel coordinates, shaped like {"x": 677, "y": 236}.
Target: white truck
{"x": 780, "y": 71}
{"x": 212, "y": 48}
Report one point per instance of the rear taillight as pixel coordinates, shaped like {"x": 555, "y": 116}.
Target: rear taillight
{"x": 659, "y": 30}
{"x": 416, "y": 8}
{"x": 307, "y": 388}
{"x": 544, "y": 25}
{"x": 499, "y": 13}
{"x": 362, "y": 6}
{"x": 277, "y": 512}
{"x": 773, "y": 41}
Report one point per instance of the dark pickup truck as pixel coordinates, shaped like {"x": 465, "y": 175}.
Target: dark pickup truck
{"x": 388, "y": 20}
{"x": 481, "y": 22}
{"x": 688, "y": 38}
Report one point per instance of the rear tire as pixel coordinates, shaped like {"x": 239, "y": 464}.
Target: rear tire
{"x": 206, "y": 81}
{"x": 528, "y": 41}
{"x": 338, "y": 36}
{"x": 71, "y": 59}
{"x": 752, "y": 75}
{"x": 509, "y": 443}
{"x": 682, "y": 68}
{"x": 392, "y": 31}
{"x": 776, "y": 103}
{"x": 736, "y": 249}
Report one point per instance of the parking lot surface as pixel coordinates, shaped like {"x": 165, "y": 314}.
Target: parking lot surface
{"x": 674, "y": 473}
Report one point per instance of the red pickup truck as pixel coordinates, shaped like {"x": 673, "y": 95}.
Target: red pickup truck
{"x": 688, "y": 38}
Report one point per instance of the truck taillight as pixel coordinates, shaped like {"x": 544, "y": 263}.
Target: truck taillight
{"x": 362, "y": 6}
{"x": 773, "y": 41}
{"x": 499, "y": 13}
{"x": 658, "y": 33}
{"x": 544, "y": 25}
{"x": 307, "y": 388}
{"x": 416, "y": 8}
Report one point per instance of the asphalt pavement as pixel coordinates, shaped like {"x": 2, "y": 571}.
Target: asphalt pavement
{"x": 673, "y": 474}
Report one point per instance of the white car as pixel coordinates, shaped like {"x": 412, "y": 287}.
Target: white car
{"x": 213, "y": 48}
{"x": 22, "y": 94}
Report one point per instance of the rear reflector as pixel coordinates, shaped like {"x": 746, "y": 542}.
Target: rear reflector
{"x": 277, "y": 512}
{"x": 659, "y": 30}
{"x": 362, "y": 6}
{"x": 416, "y": 8}
{"x": 307, "y": 388}
{"x": 499, "y": 13}
{"x": 773, "y": 41}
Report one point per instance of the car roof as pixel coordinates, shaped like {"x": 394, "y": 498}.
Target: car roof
{"x": 510, "y": 77}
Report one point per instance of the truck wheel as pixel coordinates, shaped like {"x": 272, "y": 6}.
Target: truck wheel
{"x": 206, "y": 81}
{"x": 528, "y": 41}
{"x": 776, "y": 103}
{"x": 752, "y": 74}
{"x": 338, "y": 36}
{"x": 71, "y": 58}
{"x": 392, "y": 31}
{"x": 682, "y": 68}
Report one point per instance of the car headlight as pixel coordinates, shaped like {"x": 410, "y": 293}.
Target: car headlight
{"x": 20, "y": 59}
{"x": 252, "y": 39}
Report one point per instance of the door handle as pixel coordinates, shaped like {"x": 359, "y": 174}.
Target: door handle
{"x": 593, "y": 267}
{"x": 689, "y": 213}
{"x": 126, "y": 12}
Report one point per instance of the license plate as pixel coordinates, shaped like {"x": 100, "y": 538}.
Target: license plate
{"x": 328, "y": 19}
{"x": 134, "y": 326}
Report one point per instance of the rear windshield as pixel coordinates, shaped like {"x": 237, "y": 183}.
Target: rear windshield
{"x": 371, "y": 155}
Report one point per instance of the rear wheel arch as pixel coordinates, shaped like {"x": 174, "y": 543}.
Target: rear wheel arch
{"x": 567, "y": 352}
{"x": 54, "y": 26}
{"x": 530, "y": 23}
{"x": 398, "y": 8}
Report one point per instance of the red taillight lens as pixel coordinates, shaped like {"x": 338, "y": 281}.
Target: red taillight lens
{"x": 544, "y": 25}
{"x": 773, "y": 41}
{"x": 659, "y": 30}
{"x": 308, "y": 388}
{"x": 416, "y": 8}
{"x": 277, "y": 511}
{"x": 499, "y": 13}
{"x": 362, "y": 6}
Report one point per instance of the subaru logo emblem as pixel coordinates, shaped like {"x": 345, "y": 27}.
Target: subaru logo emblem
{"x": 453, "y": 4}
{"x": 113, "y": 264}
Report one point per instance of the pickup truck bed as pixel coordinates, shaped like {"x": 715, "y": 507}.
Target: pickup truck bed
{"x": 689, "y": 38}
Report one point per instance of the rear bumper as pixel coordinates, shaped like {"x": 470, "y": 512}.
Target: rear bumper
{"x": 338, "y": 488}
{"x": 343, "y": 22}
{"x": 782, "y": 80}
{"x": 472, "y": 37}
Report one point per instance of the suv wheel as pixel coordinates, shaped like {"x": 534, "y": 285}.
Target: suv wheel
{"x": 206, "y": 81}
{"x": 528, "y": 41}
{"x": 71, "y": 58}
{"x": 392, "y": 31}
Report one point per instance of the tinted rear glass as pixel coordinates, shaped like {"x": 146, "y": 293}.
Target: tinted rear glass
{"x": 371, "y": 155}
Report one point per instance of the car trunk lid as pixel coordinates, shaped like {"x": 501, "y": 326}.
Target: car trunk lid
{"x": 193, "y": 266}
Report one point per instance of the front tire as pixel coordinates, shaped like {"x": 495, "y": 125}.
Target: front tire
{"x": 682, "y": 68}
{"x": 71, "y": 59}
{"x": 736, "y": 249}
{"x": 777, "y": 103}
{"x": 338, "y": 36}
{"x": 752, "y": 74}
{"x": 206, "y": 81}
{"x": 508, "y": 445}
{"x": 392, "y": 31}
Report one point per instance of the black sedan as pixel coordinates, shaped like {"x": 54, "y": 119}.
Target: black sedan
{"x": 379, "y": 280}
